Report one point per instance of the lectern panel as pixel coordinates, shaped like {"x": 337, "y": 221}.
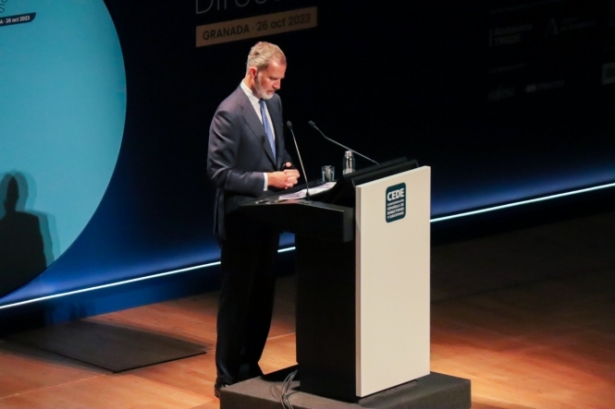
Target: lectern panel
{"x": 392, "y": 280}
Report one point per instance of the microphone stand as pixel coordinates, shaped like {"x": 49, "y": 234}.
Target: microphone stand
{"x": 307, "y": 190}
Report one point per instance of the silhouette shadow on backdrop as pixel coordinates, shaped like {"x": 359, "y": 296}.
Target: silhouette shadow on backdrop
{"x": 24, "y": 236}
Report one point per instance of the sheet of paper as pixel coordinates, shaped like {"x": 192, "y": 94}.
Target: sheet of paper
{"x": 313, "y": 190}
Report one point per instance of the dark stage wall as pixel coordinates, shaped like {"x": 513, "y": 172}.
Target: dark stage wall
{"x": 505, "y": 100}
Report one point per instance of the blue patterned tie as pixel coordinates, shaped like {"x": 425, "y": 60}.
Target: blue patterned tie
{"x": 267, "y": 125}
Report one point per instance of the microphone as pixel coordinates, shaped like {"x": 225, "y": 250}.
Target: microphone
{"x": 307, "y": 190}
{"x": 313, "y": 125}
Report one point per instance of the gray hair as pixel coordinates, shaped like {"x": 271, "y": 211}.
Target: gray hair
{"x": 262, "y": 53}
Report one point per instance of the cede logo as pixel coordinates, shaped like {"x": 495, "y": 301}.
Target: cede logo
{"x": 395, "y": 202}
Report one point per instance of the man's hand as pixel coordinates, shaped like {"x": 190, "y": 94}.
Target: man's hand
{"x": 283, "y": 179}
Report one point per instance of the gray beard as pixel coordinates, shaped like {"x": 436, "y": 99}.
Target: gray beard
{"x": 260, "y": 92}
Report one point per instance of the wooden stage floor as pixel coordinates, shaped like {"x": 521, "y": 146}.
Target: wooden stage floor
{"x": 539, "y": 343}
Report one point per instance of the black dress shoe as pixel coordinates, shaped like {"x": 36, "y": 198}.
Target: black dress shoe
{"x": 217, "y": 388}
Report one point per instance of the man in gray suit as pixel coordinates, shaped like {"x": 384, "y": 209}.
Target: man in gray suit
{"x": 246, "y": 158}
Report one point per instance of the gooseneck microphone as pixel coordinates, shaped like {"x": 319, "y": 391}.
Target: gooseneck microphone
{"x": 307, "y": 191}
{"x": 313, "y": 125}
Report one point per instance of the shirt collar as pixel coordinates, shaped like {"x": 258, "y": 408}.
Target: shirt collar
{"x": 253, "y": 98}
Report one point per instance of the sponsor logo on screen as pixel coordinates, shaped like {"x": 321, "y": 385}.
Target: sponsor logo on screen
{"x": 501, "y": 92}
{"x": 509, "y": 35}
{"x": 544, "y": 86}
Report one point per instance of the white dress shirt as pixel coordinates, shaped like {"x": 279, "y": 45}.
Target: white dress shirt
{"x": 254, "y": 100}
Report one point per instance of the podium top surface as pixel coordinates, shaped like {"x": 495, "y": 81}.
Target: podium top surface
{"x": 329, "y": 213}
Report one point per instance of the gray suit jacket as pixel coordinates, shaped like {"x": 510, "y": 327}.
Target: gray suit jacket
{"x": 239, "y": 152}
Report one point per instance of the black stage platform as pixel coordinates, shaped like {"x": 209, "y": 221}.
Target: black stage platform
{"x": 435, "y": 391}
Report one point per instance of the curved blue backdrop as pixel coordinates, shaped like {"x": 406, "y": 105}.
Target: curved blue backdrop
{"x": 62, "y": 111}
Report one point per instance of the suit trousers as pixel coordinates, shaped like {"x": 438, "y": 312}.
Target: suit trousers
{"x": 246, "y": 298}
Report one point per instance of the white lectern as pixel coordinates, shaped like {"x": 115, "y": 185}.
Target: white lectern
{"x": 363, "y": 296}
{"x": 392, "y": 280}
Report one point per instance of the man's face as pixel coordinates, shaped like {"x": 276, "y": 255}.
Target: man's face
{"x": 269, "y": 80}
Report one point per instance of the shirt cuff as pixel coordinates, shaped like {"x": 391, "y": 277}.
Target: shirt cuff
{"x": 266, "y": 182}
